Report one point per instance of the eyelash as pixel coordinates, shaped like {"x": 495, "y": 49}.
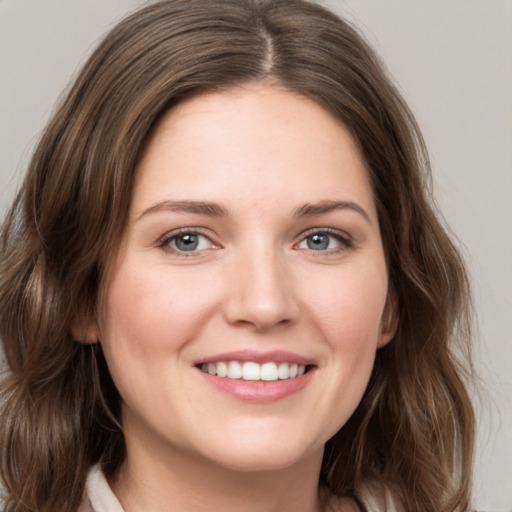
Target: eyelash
{"x": 344, "y": 240}
{"x": 174, "y": 235}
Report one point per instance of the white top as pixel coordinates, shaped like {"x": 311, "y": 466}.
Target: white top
{"x": 98, "y": 495}
{"x": 100, "y": 498}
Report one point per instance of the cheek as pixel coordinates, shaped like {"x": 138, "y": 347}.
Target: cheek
{"x": 150, "y": 316}
{"x": 349, "y": 308}
{"x": 152, "y": 311}
{"x": 348, "y": 314}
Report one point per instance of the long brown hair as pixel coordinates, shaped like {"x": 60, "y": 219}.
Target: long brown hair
{"x": 413, "y": 430}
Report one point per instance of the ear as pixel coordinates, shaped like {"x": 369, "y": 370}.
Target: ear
{"x": 389, "y": 320}
{"x": 85, "y": 329}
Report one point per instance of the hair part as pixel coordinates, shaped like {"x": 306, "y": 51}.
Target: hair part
{"x": 414, "y": 428}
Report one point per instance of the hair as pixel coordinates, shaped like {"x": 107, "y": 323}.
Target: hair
{"x": 414, "y": 428}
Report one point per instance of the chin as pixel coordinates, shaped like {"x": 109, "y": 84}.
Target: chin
{"x": 258, "y": 457}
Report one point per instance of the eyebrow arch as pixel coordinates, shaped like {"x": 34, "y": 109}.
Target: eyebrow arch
{"x": 216, "y": 210}
{"x": 199, "y": 207}
{"x": 310, "y": 209}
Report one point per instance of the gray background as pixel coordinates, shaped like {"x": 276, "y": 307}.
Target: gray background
{"x": 452, "y": 59}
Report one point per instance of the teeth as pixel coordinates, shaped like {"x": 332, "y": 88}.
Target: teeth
{"x": 222, "y": 369}
{"x": 251, "y": 371}
{"x": 254, "y": 371}
{"x": 234, "y": 370}
{"x": 269, "y": 371}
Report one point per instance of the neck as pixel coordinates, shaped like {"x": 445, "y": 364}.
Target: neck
{"x": 182, "y": 482}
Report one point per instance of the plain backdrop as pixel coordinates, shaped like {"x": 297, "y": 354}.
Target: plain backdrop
{"x": 452, "y": 60}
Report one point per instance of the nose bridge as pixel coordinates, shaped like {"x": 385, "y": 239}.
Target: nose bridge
{"x": 261, "y": 293}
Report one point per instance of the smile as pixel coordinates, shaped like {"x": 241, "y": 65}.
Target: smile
{"x": 252, "y": 371}
{"x": 257, "y": 377}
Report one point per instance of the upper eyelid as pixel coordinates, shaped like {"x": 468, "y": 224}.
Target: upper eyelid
{"x": 345, "y": 241}
{"x": 184, "y": 231}
{"x": 329, "y": 231}
{"x": 164, "y": 242}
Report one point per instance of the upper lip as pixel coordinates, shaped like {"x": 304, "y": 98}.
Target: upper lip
{"x": 276, "y": 356}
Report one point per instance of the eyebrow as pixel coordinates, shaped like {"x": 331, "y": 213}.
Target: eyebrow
{"x": 322, "y": 207}
{"x": 216, "y": 210}
{"x": 198, "y": 207}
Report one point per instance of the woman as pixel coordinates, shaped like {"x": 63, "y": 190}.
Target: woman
{"x": 223, "y": 285}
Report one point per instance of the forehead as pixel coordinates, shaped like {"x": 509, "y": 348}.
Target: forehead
{"x": 252, "y": 143}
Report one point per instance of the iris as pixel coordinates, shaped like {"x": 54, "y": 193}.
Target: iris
{"x": 318, "y": 242}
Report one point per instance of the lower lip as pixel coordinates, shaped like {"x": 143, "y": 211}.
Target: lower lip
{"x": 258, "y": 390}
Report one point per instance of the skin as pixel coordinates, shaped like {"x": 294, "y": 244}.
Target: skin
{"x": 261, "y": 154}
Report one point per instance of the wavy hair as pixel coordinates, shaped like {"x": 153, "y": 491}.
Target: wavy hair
{"x": 60, "y": 410}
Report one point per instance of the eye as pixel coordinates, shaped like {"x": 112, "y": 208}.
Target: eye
{"x": 324, "y": 241}
{"x": 186, "y": 242}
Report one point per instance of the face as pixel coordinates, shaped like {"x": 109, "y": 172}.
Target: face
{"x": 241, "y": 318}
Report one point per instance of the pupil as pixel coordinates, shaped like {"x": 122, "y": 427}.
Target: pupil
{"x": 318, "y": 242}
{"x": 187, "y": 242}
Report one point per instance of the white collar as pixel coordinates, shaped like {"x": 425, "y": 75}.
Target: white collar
{"x": 98, "y": 494}
{"x": 100, "y": 498}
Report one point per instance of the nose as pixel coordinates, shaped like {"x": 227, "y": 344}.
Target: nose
{"x": 260, "y": 295}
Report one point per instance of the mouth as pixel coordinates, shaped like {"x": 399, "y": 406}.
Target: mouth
{"x": 257, "y": 377}
{"x": 269, "y": 371}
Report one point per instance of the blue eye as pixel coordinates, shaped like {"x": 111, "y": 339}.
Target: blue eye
{"x": 187, "y": 242}
{"x": 323, "y": 241}
{"x": 318, "y": 242}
